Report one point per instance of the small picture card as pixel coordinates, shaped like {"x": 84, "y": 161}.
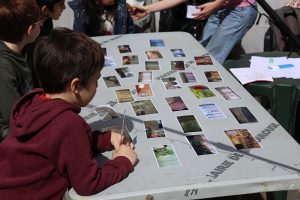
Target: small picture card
{"x": 152, "y": 65}
{"x": 111, "y": 81}
{"x": 242, "y": 139}
{"x": 118, "y": 129}
{"x": 213, "y": 76}
{"x": 211, "y": 111}
{"x": 201, "y": 145}
{"x": 227, "y": 93}
{"x": 124, "y": 95}
{"x": 124, "y": 72}
{"x": 177, "y": 65}
{"x": 177, "y": 52}
{"x": 189, "y": 123}
{"x": 124, "y": 49}
{"x": 143, "y": 90}
{"x": 154, "y": 129}
{"x": 157, "y": 43}
{"x": 201, "y": 91}
{"x": 187, "y": 77}
{"x": 243, "y": 115}
{"x": 153, "y": 54}
{"x": 106, "y": 112}
{"x": 203, "y": 60}
{"x": 176, "y": 103}
{"x": 165, "y": 156}
{"x": 171, "y": 83}
{"x": 109, "y": 62}
{"x": 145, "y": 77}
{"x": 143, "y": 107}
{"x": 190, "y": 10}
{"x": 129, "y": 60}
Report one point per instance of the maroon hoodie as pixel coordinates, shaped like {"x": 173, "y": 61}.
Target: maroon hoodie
{"x": 50, "y": 148}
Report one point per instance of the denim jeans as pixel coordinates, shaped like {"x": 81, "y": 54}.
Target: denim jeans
{"x": 225, "y": 28}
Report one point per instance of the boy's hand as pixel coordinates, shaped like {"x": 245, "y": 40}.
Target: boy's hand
{"x": 117, "y": 139}
{"x": 138, "y": 12}
{"x": 205, "y": 10}
{"x": 127, "y": 151}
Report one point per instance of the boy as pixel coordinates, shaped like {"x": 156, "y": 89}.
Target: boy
{"x": 19, "y": 25}
{"x": 50, "y": 9}
{"x": 50, "y": 147}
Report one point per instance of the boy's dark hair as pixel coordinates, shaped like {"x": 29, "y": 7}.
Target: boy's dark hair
{"x": 65, "y": 55}
{"x": 48, "y": 3}
{"x": 15, "y": 18}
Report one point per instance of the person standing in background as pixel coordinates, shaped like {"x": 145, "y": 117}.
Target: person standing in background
{"x": 228, "y": 22}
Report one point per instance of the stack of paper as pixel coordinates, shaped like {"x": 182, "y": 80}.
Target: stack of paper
{"x": 267, "y": 68}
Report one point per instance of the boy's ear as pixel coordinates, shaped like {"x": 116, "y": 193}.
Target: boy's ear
{"x": 30, "y": 30}
{"x": 45, "y": 11}
{"x": 75, "y": 85}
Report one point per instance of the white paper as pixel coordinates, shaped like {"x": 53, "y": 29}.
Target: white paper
{"x": 191, "y": 10}
{"x": 249, "y": 75}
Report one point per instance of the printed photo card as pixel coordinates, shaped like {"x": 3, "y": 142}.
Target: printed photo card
{"x": 187, "y": 77}
{"x": 171, "y": 83}
{"x": 189, "y": 123}
{"x": 154, "y": 129}
{"x": 213, "y": 76}
{"x": 145, "y": 77}
{"x": 152, "y": 65}
{"x": 124, "y": 49}
{"x": 143, "y": 90}
{"x": 111, "y": 81}
{"x": 243, "y": 115}
{"x": 157, "y": 43}
{"x": 203, "y": 60}
{"x": 129, "y": 60}
{"x": 201, "y": 91}
{"x": 201, "y": 145}
{"x": 153, "y": 54}
{"x": 165, "y": 156}
{"x": 176, "y": 103}
{"x": 124, "y": 95}
{"x": 124, "y": 72}
{"x": 143, "y": 107}
{"x": 212, "y": 111}
{"x": 177, "y": 65}
{"x": 177, "y": 52}
{"x": 242, "y": 139}
{"x": 227, "y": 93}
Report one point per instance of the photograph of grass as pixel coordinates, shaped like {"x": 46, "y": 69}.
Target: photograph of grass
{"x": 166, "y": 156}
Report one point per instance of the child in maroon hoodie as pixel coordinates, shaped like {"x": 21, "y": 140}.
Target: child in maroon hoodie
{"x": 49, "y": 147}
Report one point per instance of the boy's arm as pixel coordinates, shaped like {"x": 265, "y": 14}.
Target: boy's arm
{"x": 72, "y": 155}
{"x": 102, "y": 141}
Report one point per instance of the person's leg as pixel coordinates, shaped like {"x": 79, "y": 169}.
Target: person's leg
{"x": 234, "y": 24}
{"x": 210, "y": 27}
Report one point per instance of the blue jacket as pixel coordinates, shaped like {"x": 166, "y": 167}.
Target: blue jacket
{"x": 123, "y": 23}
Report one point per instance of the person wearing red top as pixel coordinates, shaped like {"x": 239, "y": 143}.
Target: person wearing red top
{"x": 49, "y": 147}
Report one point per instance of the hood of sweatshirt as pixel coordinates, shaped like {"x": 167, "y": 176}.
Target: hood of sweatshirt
{"x": 32, "y": 113}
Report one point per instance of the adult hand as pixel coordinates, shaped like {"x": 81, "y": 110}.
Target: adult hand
{"x": 205, "y": 10}
{"x": 138, "y": 12}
